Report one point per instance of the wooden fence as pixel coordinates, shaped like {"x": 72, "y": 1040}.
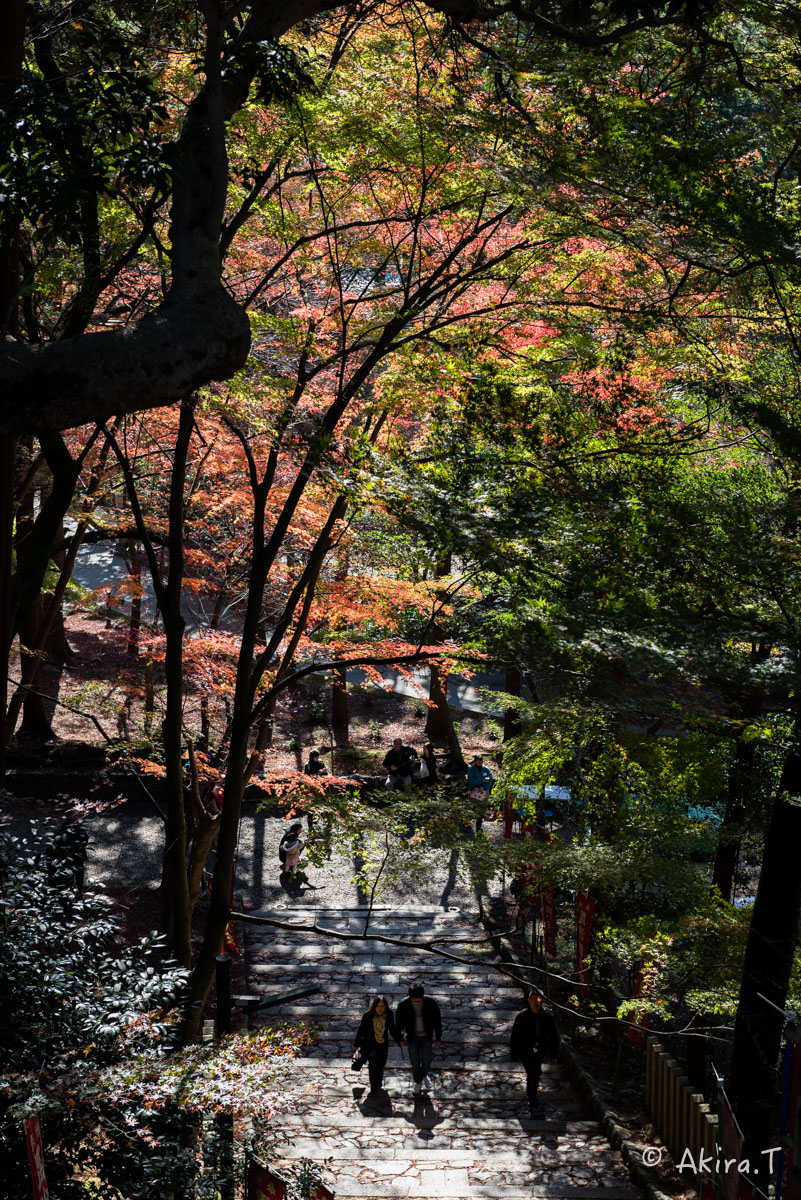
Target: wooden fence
{"x": 681, "y": 1117}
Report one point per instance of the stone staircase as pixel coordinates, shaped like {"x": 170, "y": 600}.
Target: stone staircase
{"x": 472, "y": 1137}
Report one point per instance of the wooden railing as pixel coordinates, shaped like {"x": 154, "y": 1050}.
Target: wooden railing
{"x": 681, "y": 1117}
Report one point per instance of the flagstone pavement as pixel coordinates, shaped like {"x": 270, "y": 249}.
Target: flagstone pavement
{"x": 472, "y": 1137}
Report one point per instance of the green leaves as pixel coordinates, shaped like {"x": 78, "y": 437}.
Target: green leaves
{"x": 79, "y": 133}
{"x": 284, "y": 71}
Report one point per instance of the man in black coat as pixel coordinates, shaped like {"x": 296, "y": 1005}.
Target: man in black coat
{"x": 419, "y": 1023}
{"x": 534, "y": 1037}
{"x": 399, "y": 765}
{"x": 372, "y": 1040}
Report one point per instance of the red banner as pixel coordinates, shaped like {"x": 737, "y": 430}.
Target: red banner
{"x": 33, "y": 1141}
{"x": 548, "y": 919}
{"x": 229, "y": 936}
{"x": 264, "y": 1184}
{"x": 321, "y": 1192}
{"x": 643, "y": 987}
{"x": 528, "y": 828}
{"x": 585, "y": 907}
{"x": 229, "y": 941}
{"x": 792, "y": 1180}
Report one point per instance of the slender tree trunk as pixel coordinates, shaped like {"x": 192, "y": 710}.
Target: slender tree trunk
{"x": 27, "y": 638}
{"x": 135, "y": 620}
{"x": 738, "y": 795}
{"x": 202, "y": 827}
{"x": 511, "y": 717}
{"x": 150, "y": 695}
{"x": 12, "y": 34}
{"x": 740, "y": 787}
{"x": 439, "y": 722}
{"x": 772, "y": 939}
{"x": 339, "y": 707}
{"x": 177, "y": 902}
{"x": 8, "y": 447}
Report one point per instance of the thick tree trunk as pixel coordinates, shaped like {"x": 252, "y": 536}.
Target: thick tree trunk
{"x": 49, "y": 635}
{"x": 12, "y": 35}
{"x": 772, "y": 939}
{"x": 439, "y": 722}
{"x": 44, "y": 673}
{"x": 443, "y": 564}
{"x": 740, "y": 787}
{"x": 8, "y": 448}
{"x": 511, "y": 717}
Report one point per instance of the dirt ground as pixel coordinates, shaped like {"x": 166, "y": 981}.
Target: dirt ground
{"x": 103, "y": 678}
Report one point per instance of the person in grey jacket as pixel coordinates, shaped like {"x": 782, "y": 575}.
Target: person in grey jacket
{"x": 419, "y": 1025}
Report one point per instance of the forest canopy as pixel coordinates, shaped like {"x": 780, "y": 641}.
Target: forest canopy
{"x": 381, "y": 334}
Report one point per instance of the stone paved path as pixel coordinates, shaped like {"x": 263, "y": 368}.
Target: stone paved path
{"x": 472, "y": 1137}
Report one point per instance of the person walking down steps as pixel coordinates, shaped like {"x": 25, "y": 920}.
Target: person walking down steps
{"x": 419, "y": 1025}
{"x": 372, "y": 1040}
{"x": 534, "y": 1037}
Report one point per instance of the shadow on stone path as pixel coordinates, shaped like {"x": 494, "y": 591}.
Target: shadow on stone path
{"x": 472, "y": 1137}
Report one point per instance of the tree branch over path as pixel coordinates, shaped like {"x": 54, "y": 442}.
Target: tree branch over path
{"x": 200, "y": 333}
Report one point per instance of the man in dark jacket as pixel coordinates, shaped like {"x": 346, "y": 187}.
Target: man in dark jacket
{"x": 399, "y": 765}
{"x": 419, "y": 1023}
{"x": 534, "y": 1037}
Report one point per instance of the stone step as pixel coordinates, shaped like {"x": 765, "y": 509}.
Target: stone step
{"x": 446, "y": 1113}
{"x": 470, "y": 1034}
{"x": 478, "y": 1075}
{"x": 394, "y": 965}
{"x": 505, "y": 1160}
{"x": 472, "y": 1137}
{"x": 460, "y": 1184}
{"x": 472, "y": 1052}
{"x": 328, "y": 1106}
{"x": 400, "y": 922}
{"x": 378, "y": 910}
{"x": 429, "y": 1190}
{"x": 364, "y": 976}
{"x": 444, "y": 1120}
{"x": 486, "y": 1120}
{"x": 363, "y": 980}
{"x": 581, "y": 1143}
{"x": 509, "y": 1092}
{"x": 348, "y": 1013}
